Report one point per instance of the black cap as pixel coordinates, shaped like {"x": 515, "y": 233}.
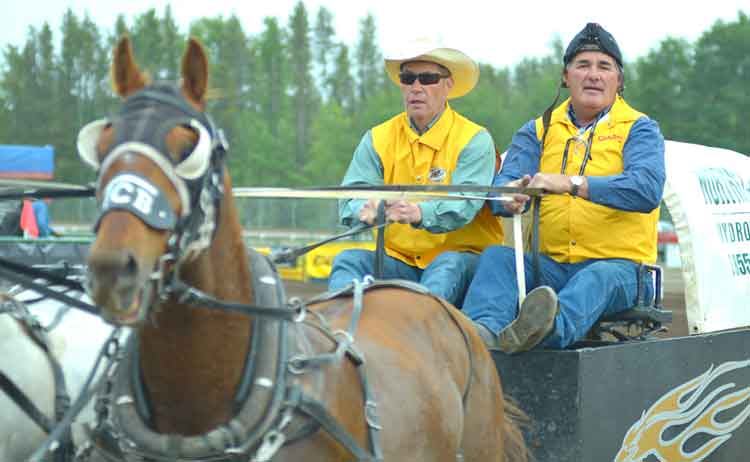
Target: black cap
{"x": 593, "y": 37}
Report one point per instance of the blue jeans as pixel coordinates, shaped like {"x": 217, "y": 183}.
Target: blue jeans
{"x": 586, "y": 291}
{"x": 447, "y": 276}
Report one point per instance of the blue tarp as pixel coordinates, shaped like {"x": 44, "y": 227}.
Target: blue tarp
{"x": 27, "y": 162}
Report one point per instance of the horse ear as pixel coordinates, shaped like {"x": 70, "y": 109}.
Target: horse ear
{"x": 126, "y": 77}
{"x": 195, "y": 71}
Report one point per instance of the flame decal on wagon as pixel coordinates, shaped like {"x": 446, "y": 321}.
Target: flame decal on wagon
{"x": 681, "y": 412}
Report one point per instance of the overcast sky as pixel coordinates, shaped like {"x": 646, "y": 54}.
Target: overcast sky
{"x": 498, "y": 33}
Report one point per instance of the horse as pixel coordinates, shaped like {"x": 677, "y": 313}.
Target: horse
{"x": 26, "y": 365}
{"x": 219, "y": 367}
{"x": 68, "y": 337}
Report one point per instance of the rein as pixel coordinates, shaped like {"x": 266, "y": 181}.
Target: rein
{"x": 289, "y": 255}
{"x": 28, "y": 277}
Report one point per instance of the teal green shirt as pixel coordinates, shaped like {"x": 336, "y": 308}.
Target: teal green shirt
{"x": 475, "y": 166}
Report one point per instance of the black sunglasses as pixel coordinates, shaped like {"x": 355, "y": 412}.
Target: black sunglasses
{"x": 425, "y": 78}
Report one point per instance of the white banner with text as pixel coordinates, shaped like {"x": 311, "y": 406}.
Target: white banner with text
{"x": 708, "y": 195}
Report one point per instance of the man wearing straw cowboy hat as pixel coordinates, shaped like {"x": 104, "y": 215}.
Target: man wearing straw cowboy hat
{"x": 435, "y": 243}
{"x": 603, "y": 162}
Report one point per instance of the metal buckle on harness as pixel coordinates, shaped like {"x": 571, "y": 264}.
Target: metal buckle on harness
{"x": 371, "y": 415}
{"x": 162, "y": 290}
{"x": 297, "y": 304}
{"x": 344, "y": 336}
{"x": 297, "y": 364}
{"x": 272, "y": 442}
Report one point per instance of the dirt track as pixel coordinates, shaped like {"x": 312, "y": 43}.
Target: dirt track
{"x": 674, "y": 298}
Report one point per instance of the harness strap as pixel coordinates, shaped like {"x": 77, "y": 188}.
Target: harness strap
{"x": 356, "y": 290}
{"x": 62, "y": 404}
{"x": 110, "y": 350}
{"x": 345, "y": 346}
{"x": 51, "y": 276}
{"x": 23, "y": 401}
{"x": 268, "y": 291}
{"x": 37, "y": 333}
{"x": 371, "y": 413}
{"x": 344, "y": 339}
{"x": 547, "y": 117}
{"x": 357, "y": 306}
{"x": 379, "y": 270}
{"x": 25, "y": 275}
{"x": 371, "y": 284}
{"x": 190, "y": 295}
{"x": 314, "y": 409}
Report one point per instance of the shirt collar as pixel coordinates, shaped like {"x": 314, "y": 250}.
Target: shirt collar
{"x": 429, "y": 125}
{"x": 582, "y": 129}
{"x": 437, "y": 130}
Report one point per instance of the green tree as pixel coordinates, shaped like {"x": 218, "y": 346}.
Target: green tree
{"x": 147, "y": 42}
{"x": 232, "y": 86}
{"x": 172, "y": 43}
{"x": 302, "y": 85}
{"x": 15, "y": 88}
{"x": 82, "y": 86}
{"x": 324, "y": 47}
{"x": 333, "y": 147}
{"x": 269, "y": 126}
{"x": 6, "y": 117}
{"x": 272, "y": 72}
{"x": 158, "y": 43}
{"x": 489, "y": 104}
{"x": 27, "y": 96}
{"x": 660, "y": 87}
{"x": 121, "y": 29}
{"x": 369, "y": 61}
{"x": 720, "y": 85}
{"x": 340, "y": 85}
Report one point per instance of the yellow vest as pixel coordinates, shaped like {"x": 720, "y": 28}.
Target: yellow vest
{"x": 575, "y": 229}
{"x": 431, "y": 158}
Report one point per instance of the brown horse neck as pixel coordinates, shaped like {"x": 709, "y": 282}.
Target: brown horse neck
{"x": 192, "y": 358}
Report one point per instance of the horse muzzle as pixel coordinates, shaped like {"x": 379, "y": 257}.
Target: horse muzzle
{"x": 120, "y": 288}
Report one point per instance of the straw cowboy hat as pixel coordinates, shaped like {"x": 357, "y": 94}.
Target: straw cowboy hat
{"x": 464, "y": 70}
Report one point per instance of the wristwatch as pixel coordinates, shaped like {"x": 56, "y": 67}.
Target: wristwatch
{"x": 575, "y": 183}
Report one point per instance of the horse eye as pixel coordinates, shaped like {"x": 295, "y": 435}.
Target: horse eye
{"x": 187, "y": 144}
{"x": 104, "y": 140}
{"x": 185, "y": 153}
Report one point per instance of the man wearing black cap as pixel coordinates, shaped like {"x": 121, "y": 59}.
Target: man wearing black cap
{"x": 603, "y": 163}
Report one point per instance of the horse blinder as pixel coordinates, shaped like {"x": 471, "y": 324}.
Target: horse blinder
{"x": 142, "y": 128}
{"x": 190, "y": 167}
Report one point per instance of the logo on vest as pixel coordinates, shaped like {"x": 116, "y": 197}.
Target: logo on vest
{"x": 437, "y": 175}
{"x": 609, "y": 137}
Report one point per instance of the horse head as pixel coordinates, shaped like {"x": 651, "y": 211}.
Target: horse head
{"x": 160, "y": 169}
